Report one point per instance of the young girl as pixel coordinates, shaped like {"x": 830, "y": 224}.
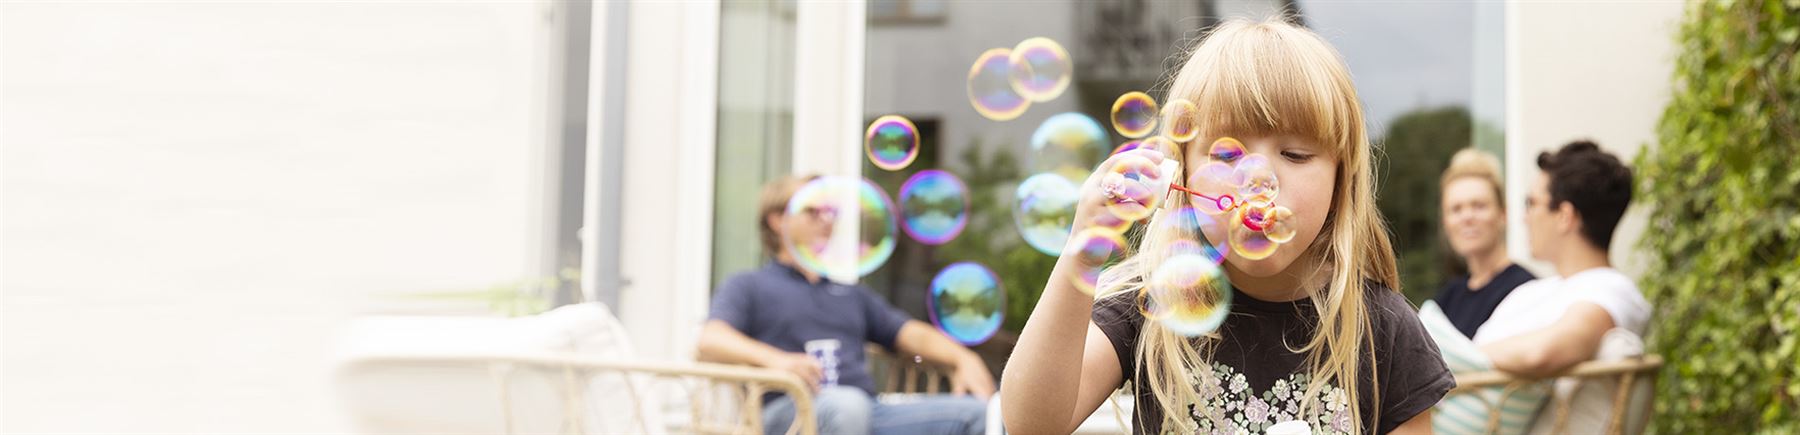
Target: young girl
{"x": 1315, "y": 331}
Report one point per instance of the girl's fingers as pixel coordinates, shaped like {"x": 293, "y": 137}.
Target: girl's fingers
{"x": 1154, "y": 155}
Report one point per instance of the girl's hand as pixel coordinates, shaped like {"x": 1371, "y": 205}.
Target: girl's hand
{"x": 1112, "y": 197}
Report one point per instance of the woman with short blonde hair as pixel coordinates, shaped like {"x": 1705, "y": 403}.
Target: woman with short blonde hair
{"x": 1473, "y": 207}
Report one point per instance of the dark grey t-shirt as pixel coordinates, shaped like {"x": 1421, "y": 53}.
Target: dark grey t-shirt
{"x": 1254, "y": 381}
{"x": 777, "y": 306}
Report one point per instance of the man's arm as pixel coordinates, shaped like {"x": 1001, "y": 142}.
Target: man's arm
{"x": 970, "y": 373}
{"x": 719, "y": 342}
{"x": 1574, "y": 338}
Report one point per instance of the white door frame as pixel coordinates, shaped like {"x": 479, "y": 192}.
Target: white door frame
{"x": 670, "y": 134}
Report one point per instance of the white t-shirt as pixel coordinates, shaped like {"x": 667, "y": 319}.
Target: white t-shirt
{"x": 1538, "y": 304}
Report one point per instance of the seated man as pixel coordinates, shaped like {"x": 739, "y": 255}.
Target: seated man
{"x": 768, "y": 317}
{"x": 1551, "y": 324}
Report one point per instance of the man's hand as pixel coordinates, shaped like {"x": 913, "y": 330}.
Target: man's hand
{"x": 800, "y": 365}
{"x": 970, "y": 376}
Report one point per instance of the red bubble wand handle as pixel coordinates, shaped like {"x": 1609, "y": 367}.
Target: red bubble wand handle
{"x": 1225, "y": 202}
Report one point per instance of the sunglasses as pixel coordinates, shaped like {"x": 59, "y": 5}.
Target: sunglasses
{"x": 820, "y": 212}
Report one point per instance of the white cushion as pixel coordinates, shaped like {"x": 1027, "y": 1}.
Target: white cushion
{"x": 1468, "y": 413}
{"x": 450, "y": 395}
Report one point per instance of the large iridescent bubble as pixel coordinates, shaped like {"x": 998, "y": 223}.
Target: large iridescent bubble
{"x": 1188, "y": 294}
{"x": 1181, "y": 120}
{"x": 967, "y": 302}
{"x": 1041, "y": 69}
{"x": 1134, "y": 114}
{"x": 1096, "y": 247}
{"x": 845, "y": 227}
{"x": 1135, "y": 186}
{"x": 1187, "y": 227}
{"x": 1070, "y": 144}
{"x": 934, "y": 206}
{"x": 1044, "y": 211}
{"x": 990, "y": 87}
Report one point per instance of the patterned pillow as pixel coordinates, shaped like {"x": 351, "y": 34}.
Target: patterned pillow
{"x": 1467, "y": 413}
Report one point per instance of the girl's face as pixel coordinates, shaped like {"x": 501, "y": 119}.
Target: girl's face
{"x": 1306, "y": 173}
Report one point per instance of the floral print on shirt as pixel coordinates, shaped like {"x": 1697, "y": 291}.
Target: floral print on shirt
{"x": 1229, "y": 406}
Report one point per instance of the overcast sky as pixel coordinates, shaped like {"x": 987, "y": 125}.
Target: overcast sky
{"x": 1404, "y": 55}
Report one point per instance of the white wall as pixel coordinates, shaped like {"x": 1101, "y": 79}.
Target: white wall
{"x": 197, "y": 194}
{"x": 1598, "y": 70}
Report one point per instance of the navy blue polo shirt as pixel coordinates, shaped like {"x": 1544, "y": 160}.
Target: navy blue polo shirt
{"x": 777, "y": 306}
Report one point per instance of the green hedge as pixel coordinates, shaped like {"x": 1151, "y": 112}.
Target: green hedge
{"x": 1724, "y": 233}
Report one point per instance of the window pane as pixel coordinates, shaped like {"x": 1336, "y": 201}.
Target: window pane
{"x": 756, "y": 120}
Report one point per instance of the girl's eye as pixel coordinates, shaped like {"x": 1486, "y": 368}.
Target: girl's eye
{"x": 1296, "y": 157}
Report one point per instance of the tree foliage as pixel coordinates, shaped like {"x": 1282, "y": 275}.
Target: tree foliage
{"x": 1415, "y": 150}
{"x": 1724, "y": 233}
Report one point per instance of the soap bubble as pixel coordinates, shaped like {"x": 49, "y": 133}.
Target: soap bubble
{"x": 1045, "y": 211}
{"x": 1181, "y": 120}
{"x": 1188, "y": 294}
{"x": 1096, "y": 247}
{"x": 934, "y": 206}
{"x": 990, "y": 87}
{"x": 1041, "y": 69}
{"x": 966, "y": 302}
{"x": 847, "y": 228}
{"x": 1070, "y": 144}
{"x": 892, "y": 142}
{"x": 1134, "y": 114}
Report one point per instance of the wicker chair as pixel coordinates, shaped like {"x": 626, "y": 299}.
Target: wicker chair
{"x": 1627, "y": 372}
{"x": 910, "y": 375}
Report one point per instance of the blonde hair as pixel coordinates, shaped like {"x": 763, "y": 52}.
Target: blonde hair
{"x": 1259, "y": 78}
{"x": 1477, "y": 164}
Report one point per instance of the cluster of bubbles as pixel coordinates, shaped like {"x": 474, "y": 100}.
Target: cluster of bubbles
{"x": 1064, "y": 151}
{"x": 1184, "y": 288}
{"x": 1243, "y": 186}
{"x": 966, "y": 302}
{"x": 934, "y": 204}
{"x": 1004, "y": 82}
{"x": 844, "y": 228}
{"x": 1187, "y": 292}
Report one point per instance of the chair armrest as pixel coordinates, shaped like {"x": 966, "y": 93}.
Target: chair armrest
{"x": 1626, "y": 371}
{"x": 1468, "y": 382}
{"x": 751, "y": 381}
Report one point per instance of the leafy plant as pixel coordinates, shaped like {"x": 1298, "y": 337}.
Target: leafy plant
{"x": 1415, "y": 150}
{"x": 1724, "y": 231}
{"x": 522, "y": 297}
